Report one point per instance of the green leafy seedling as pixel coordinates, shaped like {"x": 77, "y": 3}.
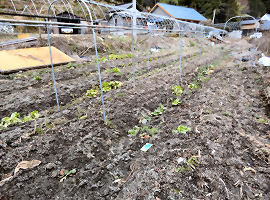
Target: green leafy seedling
{"x": 261, "y": 120}
{"x": 129, "y": 55}
{"x": 109, "y": 124}
{"x": 68, "y": 173}
{"x": 176, "y": 102}
{"x": 151, "y": 131}
{"x": 103, "y": 59}
{"x": 181, "y": 129}
{"x": 177, "y": 90}
{"x": 92, "y": 92}
{"x": 134, "y": 131}
{"x": 189, "y": 165}
{"x": 13, "y": 119}
{"x": 71, "y": 65}
{"x": 114, "y": 70}
{"x": 31, "y": 116}
{"x": 193, "y": 86}
{"x": 34, "y": 114}
{"x": 37, "y": 78}
{"x": 159, "y": 110}
{"x": 192, "y": 162}
{"x": 113, "y": 57}
{"x": 108, "y": 86}
{"x": 181, "y": 169}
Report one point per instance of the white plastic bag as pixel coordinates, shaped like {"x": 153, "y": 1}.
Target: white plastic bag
{"x": 264, "y": 60}
{"x": 256, "y": 35}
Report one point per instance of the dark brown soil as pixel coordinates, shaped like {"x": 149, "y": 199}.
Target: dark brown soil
{"x": 228, "y": 137}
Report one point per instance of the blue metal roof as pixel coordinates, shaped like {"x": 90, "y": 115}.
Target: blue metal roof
{"x": 180, "y": 12}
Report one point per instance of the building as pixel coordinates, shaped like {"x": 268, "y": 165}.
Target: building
{"x": 178, "y": 12}
{"x": 119, "y": 17}
{"x": 67, "y": 17}
{"x": 265, "y": 23}
{"x": 248, "y": 27}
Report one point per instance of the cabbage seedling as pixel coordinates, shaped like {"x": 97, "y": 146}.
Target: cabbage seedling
{"x": 177, "y": 90}
{"x": 159, "y": 110}
{"x": 176, "y": 102}
{"x": 181, "y": 129}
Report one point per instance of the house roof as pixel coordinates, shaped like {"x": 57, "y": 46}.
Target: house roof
{"x": 266, "y": 17}
{"x": 180, "y": 12}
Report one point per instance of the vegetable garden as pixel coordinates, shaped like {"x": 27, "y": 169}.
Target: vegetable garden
{"x": 207, "y": 121}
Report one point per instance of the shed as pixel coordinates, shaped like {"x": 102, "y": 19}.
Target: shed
{"x": 249, "y": 26}
{"x": 66, "y": 17}
{"x": 177, "y": 12}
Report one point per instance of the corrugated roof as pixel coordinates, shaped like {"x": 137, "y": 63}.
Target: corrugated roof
{"x": 180, "y": 12}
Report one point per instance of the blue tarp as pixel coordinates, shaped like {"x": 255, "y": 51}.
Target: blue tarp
{"x": 180, "y": 12}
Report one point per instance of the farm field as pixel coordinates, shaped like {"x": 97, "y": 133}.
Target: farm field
{"x": 210, "y": 134}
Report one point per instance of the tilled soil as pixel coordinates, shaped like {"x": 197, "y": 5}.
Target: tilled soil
{"x": 228, "y": 139}
{"x": 29, "y": 94}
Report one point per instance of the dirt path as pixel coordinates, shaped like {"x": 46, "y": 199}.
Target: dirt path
{"x": 226, "y": 150}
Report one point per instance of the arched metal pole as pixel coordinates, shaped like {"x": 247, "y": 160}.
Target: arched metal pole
{"x": 133, "y": 57}
{"x": 256, "y": 28}
{"x": 98, "y": 64}
{"x": 225, "y": 25}
{"x": 180, "y": 56}
{"x": 149, "y": 51}
{"x": 51, "y": 58}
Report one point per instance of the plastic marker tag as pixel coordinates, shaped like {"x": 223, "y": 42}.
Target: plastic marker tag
{"x": 146, "y": 147}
